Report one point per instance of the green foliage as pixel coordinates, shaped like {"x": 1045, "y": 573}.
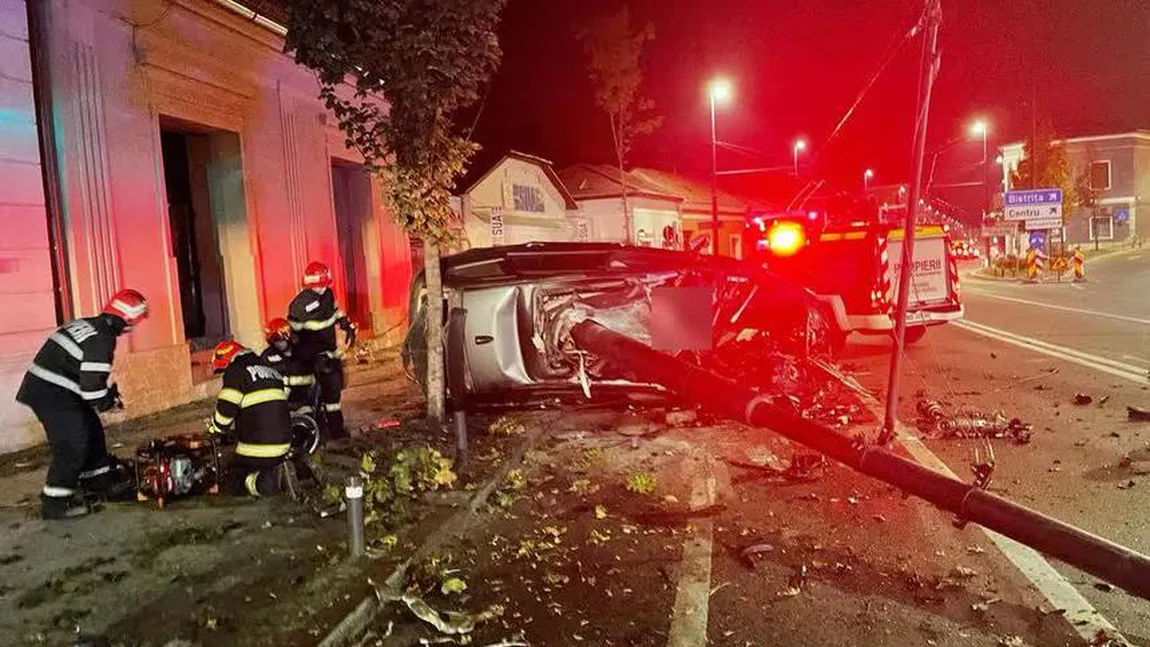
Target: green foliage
{"x": 641, "y": 483}
{"x": 614, "y": 52}
{"x": 389, "y": 486}
{"x": 396, "y": 74}
{"x": 1053, "y": 168}
{"x": 453, "y": 585}
{"x": 506, "y": 426}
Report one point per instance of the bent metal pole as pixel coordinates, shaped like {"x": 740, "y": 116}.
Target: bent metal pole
{"x": 1095, "y": 555}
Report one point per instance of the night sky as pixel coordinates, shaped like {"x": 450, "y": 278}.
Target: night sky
{"x": 797, "y": 65}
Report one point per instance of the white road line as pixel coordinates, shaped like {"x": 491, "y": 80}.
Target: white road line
{"x": 1092, "y": 313}
{"x": 693, "y": 596}
{"x": 1057, "y": 590}
{"x": 1110, "y": 367}
{"x": 1054, "y": 587}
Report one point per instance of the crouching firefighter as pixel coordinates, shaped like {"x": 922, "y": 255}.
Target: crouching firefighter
{"x": 252, "y": 408}
{"x": 314, "y": 315}
{"x": 280, "y": 355}
{"x": 65, "y": 387}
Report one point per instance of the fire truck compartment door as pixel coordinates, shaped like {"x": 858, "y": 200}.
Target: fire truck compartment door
{"x": 928, "y": 274}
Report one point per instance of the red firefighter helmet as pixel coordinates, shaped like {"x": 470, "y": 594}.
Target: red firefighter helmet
{"x": 278, "y": 329}
{"x": 225, "y": 352}
{"x": 129, "y": 305}
{"x": 317, "y": 275}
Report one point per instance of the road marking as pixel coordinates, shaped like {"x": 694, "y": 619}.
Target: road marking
{"x": 1057, "y": 590}
{"x": 1137, "y": 359}
{"x": 1093, "y": 313}
{"x": 693, "y": 595}
{"x": 1108, "y": 366}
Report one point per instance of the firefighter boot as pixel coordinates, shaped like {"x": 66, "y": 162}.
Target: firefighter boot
{"x": 63, "y": 507}
{"x": 115, "y": 481}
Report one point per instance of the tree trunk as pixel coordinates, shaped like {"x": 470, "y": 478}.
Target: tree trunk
{"x": 617, "y": 137}
{"x": 436, "y": 391}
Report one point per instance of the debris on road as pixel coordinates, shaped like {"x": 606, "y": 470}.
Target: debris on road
{"x": 452, "y": 623}
{"x": 795, "y": 583}
{"x": 1105, "y": 587}
{"x": 1138, "y": 414}
{"x": 1127, "y": 485}
{"x": 1103, "y": 400}
{"x": 1082, "y": 399}
{"x": 749, "y": 553}
{"x": 681, "y": 418}
{"x": 1011, "y": 641}
{"x": 933, "y": 418}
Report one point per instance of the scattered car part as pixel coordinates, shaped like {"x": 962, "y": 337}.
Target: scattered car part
{"x": 1138, "y": 414}
{"x": 1106, "y": 560}
{"x": 1082, "y": 399}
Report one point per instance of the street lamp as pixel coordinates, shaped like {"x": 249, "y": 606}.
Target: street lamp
{"x": 980, "y": 129}
{"x": 719, "y": 92}
{"x": 800, "y": 145}
{"x": 868, "y": 175}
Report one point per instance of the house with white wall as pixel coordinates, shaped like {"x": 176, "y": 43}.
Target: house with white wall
{"x": 518, "y": 199}
{"x": 599, "y": 188}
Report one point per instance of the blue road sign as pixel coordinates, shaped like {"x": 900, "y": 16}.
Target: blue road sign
{"x": 1121, "y": 214}
{"x": 1038, "y": 240}
{"x": 1032, "y": 198}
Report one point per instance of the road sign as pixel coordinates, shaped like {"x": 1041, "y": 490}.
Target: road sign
{"x": 1038, "y": 240}
{"x": 1039, "y": 206}
{"x": 1121, "y": 214}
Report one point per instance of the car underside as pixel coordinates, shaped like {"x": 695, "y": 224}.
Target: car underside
{"x": 510, "y": 311}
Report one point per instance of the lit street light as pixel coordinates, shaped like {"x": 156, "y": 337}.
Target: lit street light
{"x": 868, "y": 175}
{"x": 719, "y": 92}
{"x": 800, "y": 145}
{"x": 981, "y": 129}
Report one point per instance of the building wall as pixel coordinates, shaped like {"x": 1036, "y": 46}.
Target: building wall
{"x": 120, "y": 70}
{"x": 604, "y": 218}
{"x": 544, "y": 217}
{"x": 731, "y": 228}
{"x": 26, "y": 289}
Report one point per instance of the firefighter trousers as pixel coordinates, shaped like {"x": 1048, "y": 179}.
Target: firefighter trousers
{"x": 329, "y": 377}
{"x": 251, "y": 476}
{"x": 77, "y": 445}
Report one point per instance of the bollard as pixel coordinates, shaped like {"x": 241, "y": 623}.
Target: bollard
{"x": 1079, "y": 265}
{"x": 460, "y": 418}
{"x": 354, "y": 494}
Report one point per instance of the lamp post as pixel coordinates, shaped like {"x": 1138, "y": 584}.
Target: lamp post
{"x": 800, "y": 145}
{"x": 719, "y": 91}
{"x": 867, "y": 176}
{"x": 981, "y": 129}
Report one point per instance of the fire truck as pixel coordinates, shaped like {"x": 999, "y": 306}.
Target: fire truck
{"x": 853, "y": 268}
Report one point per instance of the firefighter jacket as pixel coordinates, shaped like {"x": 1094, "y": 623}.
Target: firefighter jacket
{"x": 313, "y": 316}
{"x": 77, "y": 358}
{"x": 298, "y": 376}
{"x": 253, "y": 402}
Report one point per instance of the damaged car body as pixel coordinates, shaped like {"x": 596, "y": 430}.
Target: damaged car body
{"x": 509, "y": 312}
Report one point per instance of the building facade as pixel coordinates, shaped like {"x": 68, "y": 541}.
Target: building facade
{"x": 656, "y": 220}
{"x": 1116, "y": 168}
{"x": 519, "y": 199}
{"x": 170, "y": 146}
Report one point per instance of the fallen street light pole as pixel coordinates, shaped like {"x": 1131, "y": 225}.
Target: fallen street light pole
{"x": 1095, "y": 555}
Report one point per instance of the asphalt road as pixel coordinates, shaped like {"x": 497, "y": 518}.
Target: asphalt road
{"x": 1027, "y": 351}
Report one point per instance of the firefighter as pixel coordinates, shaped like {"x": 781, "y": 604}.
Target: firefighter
{"x": 66, "y": 387}
{"x": 280, "y": 355}
{"x": 313, "y": 315}
{"x": 252, "y": 408}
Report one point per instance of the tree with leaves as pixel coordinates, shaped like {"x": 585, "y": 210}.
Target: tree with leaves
{"x": 1040, "y": 151}
{"x": 396, "y": 74}
{"x": 614, "y": 52}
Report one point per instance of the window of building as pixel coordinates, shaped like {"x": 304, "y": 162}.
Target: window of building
{"x": 1102, "y": 228}
{"x": 1100, "y": 175}
{"x": 736, "y": 245}
{"x": 528, "y": 198}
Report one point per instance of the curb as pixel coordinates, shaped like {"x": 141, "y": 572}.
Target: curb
{"x": 357, "y": 621}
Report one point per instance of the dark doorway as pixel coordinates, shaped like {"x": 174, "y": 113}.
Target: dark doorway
{"x": 351, "y": 192}
{"x": 195, "y": 244}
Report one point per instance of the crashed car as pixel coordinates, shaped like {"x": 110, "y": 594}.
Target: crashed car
{"x": 509, "y": 311}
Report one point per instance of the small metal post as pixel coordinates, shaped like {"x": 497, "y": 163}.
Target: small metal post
{"x": 460, "y": 418}
{"x": 354, "y": 494}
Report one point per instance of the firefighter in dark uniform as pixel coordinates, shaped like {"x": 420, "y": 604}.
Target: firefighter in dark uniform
{"x": 314, "y": 315}
{"x": 280, "y": 355}
{"x": 65, "y": 387}
{"x": 252, "y": 408}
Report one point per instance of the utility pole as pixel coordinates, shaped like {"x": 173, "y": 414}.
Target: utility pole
{"x": 931, "y": 18}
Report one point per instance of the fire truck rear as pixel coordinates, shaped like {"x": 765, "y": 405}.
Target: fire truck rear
{"x": 854, "y": 267}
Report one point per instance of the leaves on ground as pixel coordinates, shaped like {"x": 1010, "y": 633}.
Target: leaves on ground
{"x": 641, "y": 483}
{"x": 506, "y": 426}
{"x": 453, "y": 585}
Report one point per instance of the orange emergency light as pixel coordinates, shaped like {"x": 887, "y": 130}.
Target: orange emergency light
{"x": 786, "y": 238}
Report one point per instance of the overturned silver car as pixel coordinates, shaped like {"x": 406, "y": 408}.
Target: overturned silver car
{"x": 509, "y": 312}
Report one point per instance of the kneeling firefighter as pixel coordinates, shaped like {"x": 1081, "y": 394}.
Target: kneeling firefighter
{"x": 252, "y": 406}
{"x": 281, "y": 355}
{"x": 313, "y": 314}
{"x": 65, "y": 387}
